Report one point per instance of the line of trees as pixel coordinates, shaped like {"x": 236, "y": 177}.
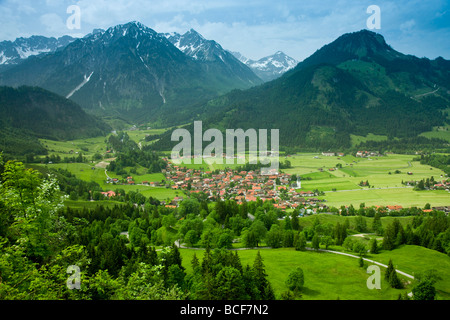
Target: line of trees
{"x": 432, "y": 231}
{"x": 129, "y": 154}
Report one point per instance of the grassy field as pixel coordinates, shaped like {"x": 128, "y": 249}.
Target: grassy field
{"x": 442, "y": 132}
{"x": 341, "y": 185}
{"x": 85, "y": 172}
{"x": 405, "y": 197}
{"x": 330, "y": 276}
{"x": 88, "y": 146}
{"x": 356, "y": 140}
{"x": 384, "y": 174}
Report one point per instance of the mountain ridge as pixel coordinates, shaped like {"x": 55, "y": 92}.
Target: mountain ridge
{"x": 133, "y": 71}
{"x": 355, "y": 85}
{"x": 15, "y": 52}
{"x": 270, "y": 67}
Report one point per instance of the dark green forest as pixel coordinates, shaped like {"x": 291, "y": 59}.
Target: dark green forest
{"x": 318, "y": 108}
{"x": 29, "y": 113}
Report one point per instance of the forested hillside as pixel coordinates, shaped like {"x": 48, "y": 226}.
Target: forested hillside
{"x": 28, "y": 113}
{"x": 355, "y": 85}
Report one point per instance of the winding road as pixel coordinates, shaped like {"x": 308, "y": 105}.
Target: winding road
{"x": 365, "y": 259}
{"x": 177, "y": 243}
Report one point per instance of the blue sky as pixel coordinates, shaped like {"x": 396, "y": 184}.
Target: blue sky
{"x": 256, "y": 28}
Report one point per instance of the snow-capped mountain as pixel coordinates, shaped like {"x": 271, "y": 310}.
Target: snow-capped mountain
{"x": 271, "y": 67}
{"x": 132, "y": 71}
{"x": 194, "y": 45}
{"x": 14, "y": 52}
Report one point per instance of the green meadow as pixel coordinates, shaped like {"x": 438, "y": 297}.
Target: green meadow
{"x": 442, "y": 132}
{"x": 338, "y": 177}
{"x": 86, "y": 172}
{"x": 87, "y": 147}
{"x": 384, "y": 174}
{"x": 330, "y": 276}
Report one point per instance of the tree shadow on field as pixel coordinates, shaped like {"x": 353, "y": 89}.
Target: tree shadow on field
{"x": 310, "y": 292}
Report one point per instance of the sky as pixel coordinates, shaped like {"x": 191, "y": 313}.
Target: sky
{"x": 255, "y": 28}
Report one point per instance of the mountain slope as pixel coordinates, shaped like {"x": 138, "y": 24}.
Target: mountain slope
{"x": 355, "y": 85}
{"x": 129, "y": 71}
{"x": 270, "y": 67}
{"x": 28, "y": 113}
{"x": 211, "y": 54}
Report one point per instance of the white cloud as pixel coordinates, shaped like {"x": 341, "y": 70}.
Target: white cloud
{"x": 254, "y": 27}
{"x": 53, "y": 23}
{"x": 407, "y": 26}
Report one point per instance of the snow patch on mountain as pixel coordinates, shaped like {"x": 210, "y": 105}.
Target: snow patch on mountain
{"x": 4, "y": 59}
{"x": 25, "y": 52}
{"x": 85, "y": 80}
{"x": 271, "y": 67}
{"x": 14, "y": 52}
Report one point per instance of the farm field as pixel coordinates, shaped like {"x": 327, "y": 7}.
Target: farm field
{"x": 85, "y": 172}
{"x": 87, "y": 147}
{"x": 338, "y": 177}
{"x": 330, "y": 276}
{"x": 384, "y": 174}
{"x": 405, "y": 197}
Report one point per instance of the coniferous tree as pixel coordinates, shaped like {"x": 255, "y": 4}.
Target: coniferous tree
{"x": 315, "y": 242}
{"x": 376, "y": 224}
{"x": 389, "y": 237}
{"x": 391, "y": 276}
{"x": 300, "y": 244}
{"x": 373, "y": 246}
{"x": 195, "y": 263}
{"x": 261, "y": 282}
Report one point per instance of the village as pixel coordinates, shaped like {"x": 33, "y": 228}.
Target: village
{"x": 282, "y": 189}
{"x": 243, "y": 186}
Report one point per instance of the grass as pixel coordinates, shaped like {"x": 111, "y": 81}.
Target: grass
{"x": 442, "y": 132}
{"x": 356, "y": 140}
{"x": 327, "y": 276}
{"x": 405, "y": 197}
{"x": 414, "y": 259}
{"x": 330, "y": 276}
{"x": 334, "y": 219}
{"x": 88, "y": 146}
{"x": 341, "y": 186}
{"x": 380, "y": 172}
{"x": 82, "y": 171}
{"x": 85, "y": 172}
